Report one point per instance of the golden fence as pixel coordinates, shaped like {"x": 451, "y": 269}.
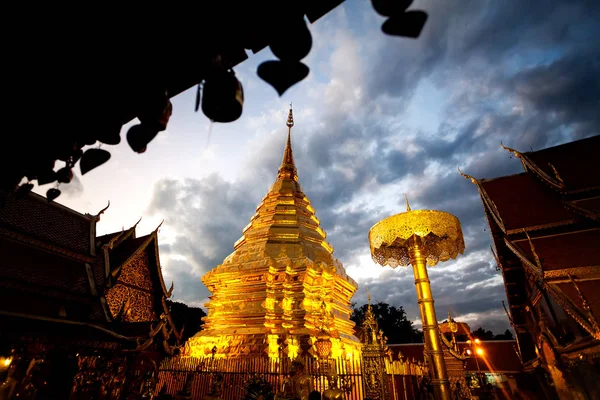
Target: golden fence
{"x": 175, "y": 372}
{"x": 199, "y": 374}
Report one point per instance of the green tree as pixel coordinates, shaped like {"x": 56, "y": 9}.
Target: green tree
{"x": 507, "y": 335}
{"x": 188, "y": 317}
{"x": 391, "y": 320}
{"x": 483, "y": 334}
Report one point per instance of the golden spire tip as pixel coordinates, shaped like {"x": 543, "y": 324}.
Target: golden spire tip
{"x": 290, "y": 118}
{"x": 288, "y": 168}
{"x": 407, "y": 205}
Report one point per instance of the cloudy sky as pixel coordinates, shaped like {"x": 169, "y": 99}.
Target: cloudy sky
{"x": 377, "y": 117}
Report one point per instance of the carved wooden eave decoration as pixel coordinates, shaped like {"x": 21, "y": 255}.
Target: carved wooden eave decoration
{"x": 96, "y": 217}
{"x": 450, "y": 348}
{"x": 167, "y": 293}
{"x": 555, "y": 182}
{"x": 63, "y": 321}
{"x": 571, "y": 206}
{"x": 580, "y": 316}
{"x": 125, "y": 308}
{"x": 591, "y": 272}
{"x": 167, "y": 314}
{"x": 488, "y": 203}
{"x": 141, "y": 346}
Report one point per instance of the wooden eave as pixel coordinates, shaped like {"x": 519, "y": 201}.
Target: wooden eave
{"x": 67, "y": 322}
{"x": 561, "y": 299}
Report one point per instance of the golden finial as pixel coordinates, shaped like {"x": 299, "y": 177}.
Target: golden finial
{"x": 368, "y": 296}
{"x": 515, "y": 152}
{"x": 97, "y": 216}
{"x": 538, "y": 263}
{"x": 407, "y": 205}
{"x": 288, "y": 168}
{"x": 558, "y": 178}
{"x": 290, "y": 118}
{"x": 467, "y": 176}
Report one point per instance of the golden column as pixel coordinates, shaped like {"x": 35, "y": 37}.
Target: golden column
{"x": 419, "y": 238}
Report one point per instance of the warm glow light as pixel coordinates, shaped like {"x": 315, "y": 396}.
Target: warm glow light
{"x": 468, "y": 342}
{"x": 7, "y": 361}
{"x": 468, "y": 352}
{"x": 477, "y": 341}
{"x": 479, "y": 351}
{"x": 273, "y": 347}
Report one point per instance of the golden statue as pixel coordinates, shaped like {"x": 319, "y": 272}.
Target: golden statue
{"x": 287, "y": 391}
{"x": 301, "y": 380}
{"x": 333, "y": 392}
{"x": 270, "y": 290}
{"x": 420, "y": 238}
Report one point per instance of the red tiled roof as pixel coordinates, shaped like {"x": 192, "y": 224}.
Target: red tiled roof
{"x": 590, "y": 291}
{"x": 53, "y": 223}
{"x": 499, "y": 355}
{"x": 591, "y": 204}
{"x": 104, "y": 239}
{"x": 28, "y": 264}
{"x": 126, "y": 249}
{"x": 577, "y": 249}
{"x": 411, "y": 351}
{"x": 523, "y": 202}
{"x": 576, "y": 162}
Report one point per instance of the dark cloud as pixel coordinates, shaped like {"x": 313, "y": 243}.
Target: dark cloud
{"x": 187, "y": 288}
{"x": 566, "y": 90}
{"x": 523, "y": 73}
{"x": 208, "y": 215}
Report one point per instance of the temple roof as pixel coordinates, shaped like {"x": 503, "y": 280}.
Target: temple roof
{"x": 567, "y": 167}
{"x": 522, "y": 203}
{"x": 545, "y": 227}
{"x": 562, "y": 251}
{"x": 53, "y": 224}
{"x": 285, "y": 215}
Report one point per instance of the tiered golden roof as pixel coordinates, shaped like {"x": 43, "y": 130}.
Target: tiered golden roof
{"x": 282, "y": 286}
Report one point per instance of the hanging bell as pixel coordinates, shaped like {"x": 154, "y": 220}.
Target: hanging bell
{"x": 293, "y": 43}
{"x": 388, "y": 8}
{"x": 140, "y": 135}
{"x": 408, "y": 24}
{"x": 222, "y": 97}
{"x": 156, "y": 111}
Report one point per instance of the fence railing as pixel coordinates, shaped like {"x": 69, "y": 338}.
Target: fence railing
{"x": 198, "y": 375}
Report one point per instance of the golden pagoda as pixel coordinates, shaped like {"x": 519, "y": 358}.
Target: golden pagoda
{"x": 281, "y": 288}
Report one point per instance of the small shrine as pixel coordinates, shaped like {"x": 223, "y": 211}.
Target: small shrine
{"x": 374, "y": 357}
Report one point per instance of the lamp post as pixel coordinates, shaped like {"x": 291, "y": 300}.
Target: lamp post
{"x": 420, "y": 238}
{"x": 476, "y": 353}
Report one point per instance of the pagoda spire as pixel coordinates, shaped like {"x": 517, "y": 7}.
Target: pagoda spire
{"x": 287, "y": 170}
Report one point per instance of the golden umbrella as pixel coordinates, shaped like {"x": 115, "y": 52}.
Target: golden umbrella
{"x": 420, "y": 238}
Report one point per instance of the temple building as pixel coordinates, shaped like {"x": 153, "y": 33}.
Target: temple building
{"x": 281, "y": 288}
{"x": 545, "y": 226}
{"x": 83, "y": 316}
